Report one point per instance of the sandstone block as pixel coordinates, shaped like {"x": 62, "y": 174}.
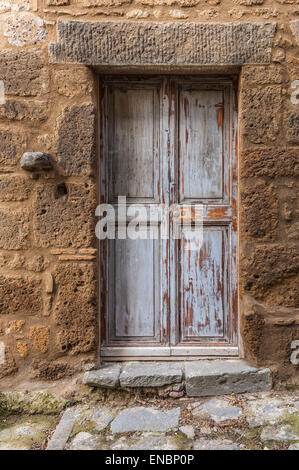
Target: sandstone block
{"x": 76, "y": 140}
{"x": 75, "y": 80}
{"x": 59, "y": 210}
{"x": 21, "y": 295}
{"x": 259, "y": 210}
{"x": 270, "y": 161}
{"x": 262, "y": 75}
{"x": 291, "y": 119}
{"x": 23, "y": 73}
{"x": 75, "y": 309}
{"x": 9, "y": 367}
{"x": 14, "y": 228}
{"x": 40, "y": 336}
{"x": 14, "y": 110}
{"x": 267, "y": 266}
{"x": 261, "y": 113}
{"x": 14, "y": 188}
{"x": 295, "y": 30}
{"x": 10, "y": 145}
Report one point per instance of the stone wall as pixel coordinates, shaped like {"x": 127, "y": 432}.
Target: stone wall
{"x": 48, "y": 103}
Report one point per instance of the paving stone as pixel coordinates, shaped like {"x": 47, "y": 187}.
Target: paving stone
{"x": 294, "y": 446}
{"x": 215, "y": 444}
{"x": 148, "y": 441}
{"x": 208, "y": 378}
{"x": 205, "y": 430}
{"x": 218, "y": 410}
{"x": 102, "y": 417}
{"x": 23, "y": 435}
{"x": 145, "y": 419}
{"x": 280, "y": 433}
{"x": 85, "y": 441}
{"x": 150, "y": 374}
{"x": 63, "y": 430}
{"x": 188, "y": 431}
{"x": 107, "y": 376}
{"x": 181, "y": 43}
{"x": 268, "y": 411}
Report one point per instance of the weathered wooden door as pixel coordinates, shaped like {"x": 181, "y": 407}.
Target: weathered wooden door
{"x": 168, "y": 144}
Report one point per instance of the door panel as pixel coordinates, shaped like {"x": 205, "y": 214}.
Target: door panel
{"x": 133, "y": 142}
{"x": 203, "y": 286}
{"x": 134, "y": 290}
{"x": 201, "y": 144}
{"x": 170, "y": 142}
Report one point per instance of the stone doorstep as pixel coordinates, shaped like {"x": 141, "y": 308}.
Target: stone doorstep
{"x": 200, "y": 378}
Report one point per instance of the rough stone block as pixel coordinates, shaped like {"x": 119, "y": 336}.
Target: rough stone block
{"x": 206, "y": 378}
{"x": 40, "y": 336}
{"x": 150, "y": 374}
{"x": 145, "y": 419}
{"x": 259, "y": 210}
{"x": 271, "y": 162}
{"x": 74, "y": 80}
{"x": 261, "y": 113}
{"x": 14, "y": 188}
{"x": 36, "y": 161}
{"x": 24, "y": 28}
{"x": 10, "y": 145}
{"x": 58, "y": 212}
{"x": 291, "y": 119}
{"x": 77, "y": 140}
{"x": 107, "y": 376}
{"x": 14, "y": 228}
{"x": 9, "y": 367}
{"x": 176, "y": 43}
{"x": 23, "y": 73}
{"x": 23, "y": 111}
{"x": 57, "y": 2}
{"x": 20, "y": 295}
{"x": 75, "y": 309}
{"x": 51, "y": 370}
{"x": 295, "y": 29}
{"x": 262, "y": 75}
{"x": 268, "y": 266}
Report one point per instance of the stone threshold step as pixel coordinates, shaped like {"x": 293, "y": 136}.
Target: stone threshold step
{"x": 195, "y": 378}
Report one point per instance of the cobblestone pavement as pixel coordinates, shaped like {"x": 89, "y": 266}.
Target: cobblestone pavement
{"x": 265, "y": 420}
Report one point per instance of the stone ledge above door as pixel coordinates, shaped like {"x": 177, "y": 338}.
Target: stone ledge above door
{"x": 160, "y": 44}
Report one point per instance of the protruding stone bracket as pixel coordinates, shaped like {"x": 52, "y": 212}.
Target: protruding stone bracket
{"x": 157, "y": 44}
{"x": 31, "y": 161}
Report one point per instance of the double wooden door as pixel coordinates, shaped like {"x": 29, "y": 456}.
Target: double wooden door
{"x": 168, "y": 145}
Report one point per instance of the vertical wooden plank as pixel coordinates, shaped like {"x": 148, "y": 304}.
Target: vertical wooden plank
{"x": 203, "y": 300}
{"x": 133, "y": 142}
{"x": 134, "y": 290}
{"x": 201, "y": 144}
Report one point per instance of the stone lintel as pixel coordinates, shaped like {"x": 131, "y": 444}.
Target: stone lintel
{"x": 157, "y": 44}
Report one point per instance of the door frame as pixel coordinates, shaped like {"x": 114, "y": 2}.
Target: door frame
{"x": 176, "y": 352}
